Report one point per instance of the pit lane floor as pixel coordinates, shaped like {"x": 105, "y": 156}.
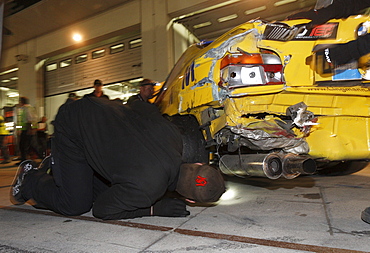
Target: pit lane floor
{"x": 306, "y": 214}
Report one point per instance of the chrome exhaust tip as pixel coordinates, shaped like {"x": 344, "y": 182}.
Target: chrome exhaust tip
{"x": 295, "y": 165}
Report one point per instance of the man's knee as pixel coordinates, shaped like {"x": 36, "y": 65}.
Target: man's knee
{"x": 75, "y": 208}
{"x": 100, "y": 212}
{"x": 106, "y": 212}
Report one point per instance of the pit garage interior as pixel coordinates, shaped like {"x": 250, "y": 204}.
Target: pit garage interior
{"x": 122, "y": 42}
{"x": 149, "y": 37}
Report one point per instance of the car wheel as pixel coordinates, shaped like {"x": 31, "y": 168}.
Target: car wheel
{"x": 194, "y": 149}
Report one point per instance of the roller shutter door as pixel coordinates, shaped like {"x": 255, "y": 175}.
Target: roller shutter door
{"x": 110, "y": 63}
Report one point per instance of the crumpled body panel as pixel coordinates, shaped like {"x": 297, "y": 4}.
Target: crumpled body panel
{"x": 310, "y": 112}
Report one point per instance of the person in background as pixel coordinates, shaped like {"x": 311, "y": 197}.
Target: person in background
{"x": 42, "y": 136}
{"x": 341, "y": 53}
{"x": 27, "y": 120}
{"x": 3, "y": 147}
{"x": 146, "y": 91}
{"x": 98, "y": 90}
{"x": 71, "y": 98}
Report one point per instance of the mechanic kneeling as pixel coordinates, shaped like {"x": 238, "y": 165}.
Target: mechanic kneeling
{"x": 118, "y": 160}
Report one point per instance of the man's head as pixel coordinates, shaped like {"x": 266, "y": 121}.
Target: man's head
{"x": 23, "y": 101}
{"x": 43, "y": 119}
{"x": 201, "y": 183}
{"x": 98, "y": 86}
{"x": 97, "y": 82}
{"x": 146, "y": 89}
{"x": 72, "y": 96}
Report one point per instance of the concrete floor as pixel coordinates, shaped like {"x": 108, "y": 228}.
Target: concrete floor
{"x": 306, "y": 214}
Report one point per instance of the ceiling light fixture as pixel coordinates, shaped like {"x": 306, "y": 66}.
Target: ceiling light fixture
{"x": 223, "y": 4}
{"x": 227, "y": 18}
{"x": 208, "y": 23}
{"x": 254, "y": 10}
{"x": 13, "y": 94}
{"x": 77, "y": 37}
{"x": 9, "y": 71}
{"x": 280, "y": 3}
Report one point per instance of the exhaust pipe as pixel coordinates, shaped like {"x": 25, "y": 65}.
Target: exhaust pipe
{"x": 260, "y": 165}
{"x": 295, "y": 165}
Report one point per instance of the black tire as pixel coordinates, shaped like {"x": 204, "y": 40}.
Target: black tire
{"x": 194, "y": 148}
{"x": 342, "y": 168}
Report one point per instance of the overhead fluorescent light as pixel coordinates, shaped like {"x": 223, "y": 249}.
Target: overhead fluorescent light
{"x": 8, "y": 71}
{"x": 280, "y": 3}
{"x": 208, "y": 23}
{"x": 227, "y": 18}
{"x": 136, "y": 80}
{"x": 254, "y": 10}
{"x": 225, "y": 3}
{"x": 13, "y": 94}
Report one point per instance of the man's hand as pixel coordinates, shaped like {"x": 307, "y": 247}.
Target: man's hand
{"x": 340, "y": 54}
{"x": 170, "y": 208}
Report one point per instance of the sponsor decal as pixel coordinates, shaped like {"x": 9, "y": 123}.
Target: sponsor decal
{"x": 284, "y": 32}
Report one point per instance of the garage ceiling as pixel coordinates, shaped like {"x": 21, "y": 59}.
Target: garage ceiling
{"x": 27, "y": 19}
{"x": 210, "y": 24}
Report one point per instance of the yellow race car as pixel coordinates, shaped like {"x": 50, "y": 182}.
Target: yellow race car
{"x": 262, "y": 100}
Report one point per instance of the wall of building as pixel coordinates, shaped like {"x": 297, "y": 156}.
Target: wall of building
{"x": 163, "y": 41}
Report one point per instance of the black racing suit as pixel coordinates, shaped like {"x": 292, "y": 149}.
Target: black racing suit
{"x": 135, "y": 149}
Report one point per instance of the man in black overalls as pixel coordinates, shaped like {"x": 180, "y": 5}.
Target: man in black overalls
{"x": 119, "y": 160}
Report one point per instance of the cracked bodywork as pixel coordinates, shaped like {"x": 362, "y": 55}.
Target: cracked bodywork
{"x": 269, "y": 133}
{"x": 262, "y": 88}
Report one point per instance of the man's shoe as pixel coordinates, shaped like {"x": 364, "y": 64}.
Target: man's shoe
{"x": 15, "y": 192}
{"x": 45, "y": 165}
{"x": 365, "y": 215}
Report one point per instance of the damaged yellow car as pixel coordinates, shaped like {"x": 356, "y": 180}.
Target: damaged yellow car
{"x": 264, "y": 102}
